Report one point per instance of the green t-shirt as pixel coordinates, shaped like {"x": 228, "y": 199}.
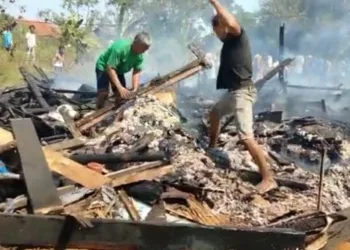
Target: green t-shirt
{"x": 120, "y": 57}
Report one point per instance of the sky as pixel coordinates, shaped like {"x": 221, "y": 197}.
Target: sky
{"x": 34, "y": 6}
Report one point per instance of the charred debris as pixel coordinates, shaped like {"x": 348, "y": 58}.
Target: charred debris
{"x": 132, "y": 177}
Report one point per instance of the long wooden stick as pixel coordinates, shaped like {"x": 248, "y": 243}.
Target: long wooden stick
{"x": 320, "y": 184}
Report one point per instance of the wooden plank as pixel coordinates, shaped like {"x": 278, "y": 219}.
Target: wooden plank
{"x": 5, "y": 136}
{"x": 93, "y": 116}
{"x": 339, "y": 233}
{"x": 47, "y": 231}
{"x": 74, "y": 171}
{"x": 22, "y": 201}
{"x": 129, "y": 205}
{"x": 149, "y": 174}
{"x": 70, "y": 123}
{"x": 38, "y": 178}
{"x": 136, "y": 169}
{"x": 66, "y": 144}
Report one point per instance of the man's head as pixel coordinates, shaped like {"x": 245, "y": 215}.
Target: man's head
{"x": 142, "y": 42}
{"x": 32, "y": 28}
{"x": 61, "y": 50}
{"x": 219, "y": 28}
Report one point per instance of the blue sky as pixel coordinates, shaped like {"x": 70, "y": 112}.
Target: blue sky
{"x": 34, "y": 6}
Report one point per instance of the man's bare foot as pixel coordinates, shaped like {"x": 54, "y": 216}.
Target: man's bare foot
{"x": 266, "y": 186}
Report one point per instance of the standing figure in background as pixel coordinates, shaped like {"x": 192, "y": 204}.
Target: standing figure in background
{"x": 7, "y": 39}
{"x": 58, "y": 60}
{"x": 31, "y": 43}
{"x": 257, "y": 67}
{"x": 235, "y": 76}
{"x": 121, "y": 57}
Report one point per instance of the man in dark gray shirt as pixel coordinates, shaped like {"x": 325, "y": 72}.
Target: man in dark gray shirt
{"x": 235, "y": 75}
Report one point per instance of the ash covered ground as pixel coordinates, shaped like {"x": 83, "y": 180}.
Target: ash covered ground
{"x": 227, "y": 176}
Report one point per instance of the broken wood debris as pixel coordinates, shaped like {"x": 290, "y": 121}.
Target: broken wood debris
{"x": 40, "y": 186}
{"x": 209, "y": 192}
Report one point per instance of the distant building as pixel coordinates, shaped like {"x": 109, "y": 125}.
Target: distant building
{"x": 42, "y": 28}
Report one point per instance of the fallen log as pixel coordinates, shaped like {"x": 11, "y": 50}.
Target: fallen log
{"x": 47, "y": 231}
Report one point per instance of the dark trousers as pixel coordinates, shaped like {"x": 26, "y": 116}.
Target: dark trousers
{"x": 103, "y": 81}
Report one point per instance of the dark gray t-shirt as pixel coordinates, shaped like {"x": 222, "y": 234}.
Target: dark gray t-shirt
{"x": 235, "y": 63}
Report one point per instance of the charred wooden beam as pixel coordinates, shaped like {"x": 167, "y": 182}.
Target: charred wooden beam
{"x": 34, "y": 89}
{"x": 38, "y": 178}
{"x": 70, "y": 123}
{"x": 186, "y": 74}
{"x": 317, "y": 88}
{"x": 152, "y": 87}
{"x": 281, "y": 75}
{"x": 118, "y": 157}
{"x": 261, "y": 82}
{"x": 129, "y": 206}
{"x": 66, "y": 144}
{"x": 48, "y": 231}
{"x": 94, "y": 115}
{"x": 339, "y": 233}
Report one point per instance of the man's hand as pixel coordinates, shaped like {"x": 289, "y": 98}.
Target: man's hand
{"x": 124, "y": 93}
{"x": 134, "y": 90}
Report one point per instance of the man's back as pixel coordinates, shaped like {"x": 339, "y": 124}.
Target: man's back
{"x": 119, "y": 55}
{"x": 235, "y": 62}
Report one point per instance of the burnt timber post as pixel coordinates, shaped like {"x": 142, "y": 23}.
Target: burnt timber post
{"x": 281, "y": 75}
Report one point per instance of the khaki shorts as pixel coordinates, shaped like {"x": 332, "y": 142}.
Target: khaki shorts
{"x": 240, "y": 104}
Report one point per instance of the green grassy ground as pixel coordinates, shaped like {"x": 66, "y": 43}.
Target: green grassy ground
{"x": 45, "y": 51}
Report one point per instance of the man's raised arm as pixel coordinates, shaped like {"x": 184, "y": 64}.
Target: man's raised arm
{"x": 228, "y": 19}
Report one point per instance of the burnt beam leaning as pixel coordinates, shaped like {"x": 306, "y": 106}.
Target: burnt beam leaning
{"x": 47, "y": 231}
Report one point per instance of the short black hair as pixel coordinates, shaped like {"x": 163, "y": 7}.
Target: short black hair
{"x": 31, "y": 26}
{"x": 60, "y": 47}
{"x": 215, "y": 21}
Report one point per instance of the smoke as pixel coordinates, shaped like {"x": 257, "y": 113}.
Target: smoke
{"x": 324, "y": 41}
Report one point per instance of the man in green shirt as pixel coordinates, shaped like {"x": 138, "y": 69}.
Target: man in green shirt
{"x": 120, "y": 57}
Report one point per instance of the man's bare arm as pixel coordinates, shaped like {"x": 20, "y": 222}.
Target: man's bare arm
{"x": 136, "y": 75}
{"x": 114, "y": 77}
{"x": 227, "y": 18}
{"x": 124, "y": 93}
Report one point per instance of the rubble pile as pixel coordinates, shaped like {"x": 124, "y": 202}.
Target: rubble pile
{"x": 111, "y": 163}
{"x": 227, "y": 189}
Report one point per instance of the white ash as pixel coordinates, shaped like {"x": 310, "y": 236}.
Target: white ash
{"x": 231, "y": 195}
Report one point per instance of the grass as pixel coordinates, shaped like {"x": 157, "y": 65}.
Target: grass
{"x": 45, "y": 51}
